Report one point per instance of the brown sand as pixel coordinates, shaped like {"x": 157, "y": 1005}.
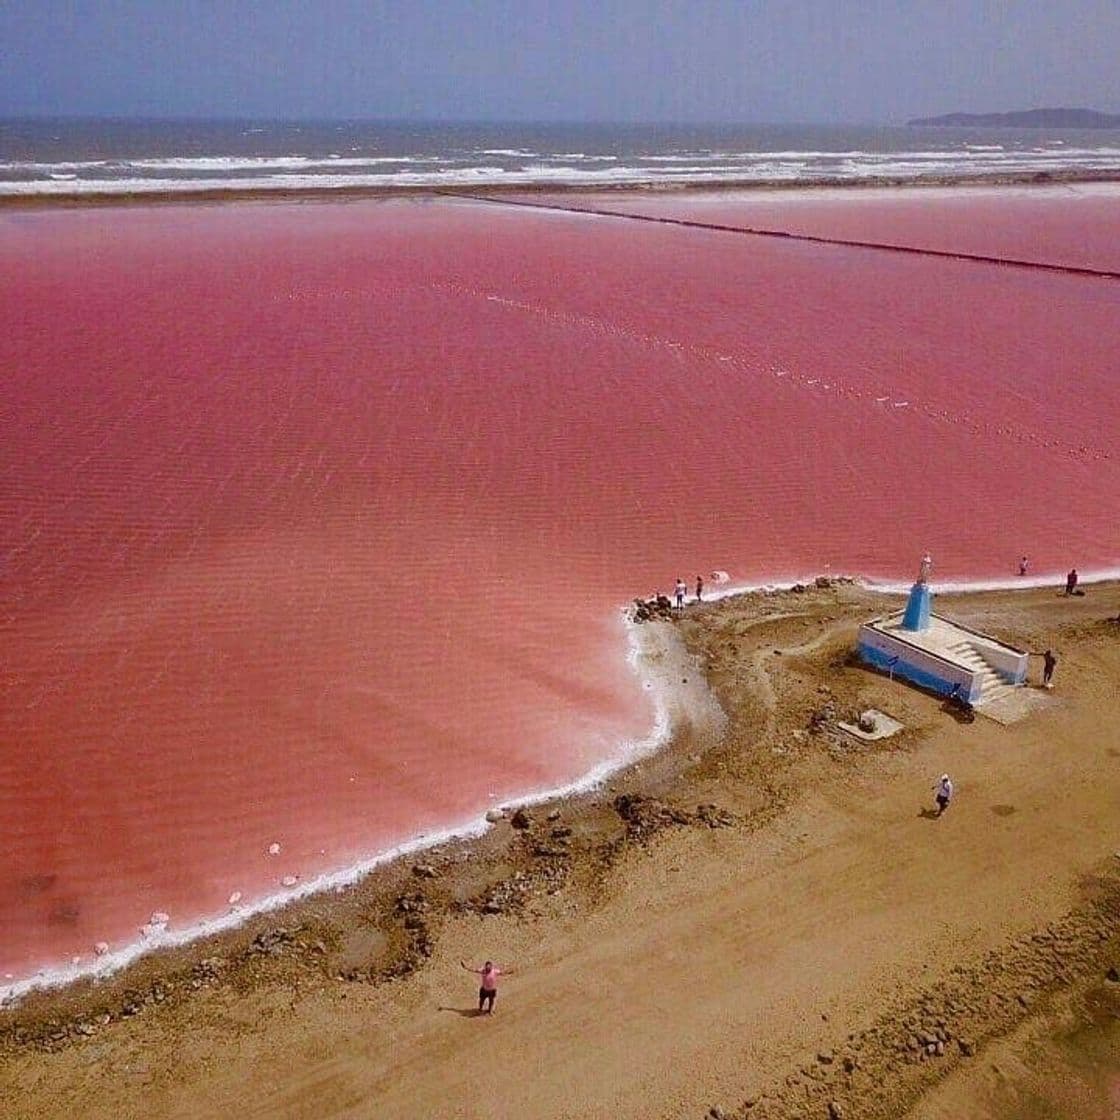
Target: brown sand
{"x": 812, "y": 945}
{"x": 335, "y": 194}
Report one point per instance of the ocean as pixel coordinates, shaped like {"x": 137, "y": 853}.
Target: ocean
{"x": 317, "y": 522}
{"x": 42, "y": 157}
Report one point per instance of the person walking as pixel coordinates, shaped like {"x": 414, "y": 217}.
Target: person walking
{"x": 944, "y": 793}
{"x": 1049, "y": 663}
{"x": 682, "y": 590}
{"x": 488, "y": 984}
{"x": 699, "y": 589}
{"x": 1071, "y": 581}
{"x": 1024, "y": 563}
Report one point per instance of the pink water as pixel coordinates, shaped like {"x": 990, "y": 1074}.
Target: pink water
{"x": 315, "y": 519}
{"x": 1075, "y": 224}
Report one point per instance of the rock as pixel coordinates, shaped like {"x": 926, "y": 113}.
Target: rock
{"x": 159, "y": 918}
{"x": 521, "y": 820}
{"x": 553, "y": 816}
{"x": 835, "y": 1110}
{"x": 966, "y": 1047}
{"x": 716, "y": 1113}
{"x": 939, "y": 1049}
{"x": 714, "y": 817}
{"x": 823, "y": 581}
{"x": 289, "y": 880}
{"x": 235, "y": 898}
{"x": 645, "y": 815}
{"x": 101, "y": 948}
{"x": 424, "y": 871}
{"x": 494, "y": 815}
{"x": 799, "y": 589}
{"x": 274, "y": 849}
{"x": 1113, "y": 975}
{"x": 826, "y": 1057}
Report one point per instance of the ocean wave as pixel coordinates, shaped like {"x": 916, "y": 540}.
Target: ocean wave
{"x": 159, "y": 174}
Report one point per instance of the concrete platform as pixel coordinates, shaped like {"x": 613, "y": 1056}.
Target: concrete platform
{"x": 1015, "y": 705}
{"x": 944, "y": 656}
{"x": 885, "y": 726}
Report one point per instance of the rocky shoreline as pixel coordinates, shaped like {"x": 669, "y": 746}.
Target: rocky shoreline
{"x": 779, "y": 664}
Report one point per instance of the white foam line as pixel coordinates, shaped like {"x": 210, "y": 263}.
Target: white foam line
{"x": 627, "y": 753}
{"x": 1010, "y": 583}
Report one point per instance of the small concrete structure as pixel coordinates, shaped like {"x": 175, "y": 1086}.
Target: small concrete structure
{"x": 939, "y": 654}
{"x": 873, "y": 724}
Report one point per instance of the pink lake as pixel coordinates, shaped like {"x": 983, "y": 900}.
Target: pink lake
{"x": 316, "y": 519}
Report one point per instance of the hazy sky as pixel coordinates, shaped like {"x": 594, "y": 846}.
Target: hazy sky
{"x": 761, "y": 61}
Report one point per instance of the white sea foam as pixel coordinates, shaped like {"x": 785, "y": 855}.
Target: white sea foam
{"x": 217, "y": 173}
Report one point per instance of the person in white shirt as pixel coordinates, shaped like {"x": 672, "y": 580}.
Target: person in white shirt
{"x": 944, "y": 792}
{"x": 682, "y": 590}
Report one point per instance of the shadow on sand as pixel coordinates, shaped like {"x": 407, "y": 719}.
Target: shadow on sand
{"x": 465, "y": 1012}
{"x": 928, "y": 814}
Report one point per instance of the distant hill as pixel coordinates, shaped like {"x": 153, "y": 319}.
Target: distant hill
{"x": 1028, "y": 118}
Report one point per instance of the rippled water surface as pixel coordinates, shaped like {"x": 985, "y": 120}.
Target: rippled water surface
{"x": 315, "y": 519}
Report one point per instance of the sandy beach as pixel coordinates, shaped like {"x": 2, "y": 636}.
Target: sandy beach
{"x": 762, "y": 920}
{"x": 114, "y": 198}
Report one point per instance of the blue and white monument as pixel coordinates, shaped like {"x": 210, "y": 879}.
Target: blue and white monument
{"x": 917, "y": 613}
{"x": 938, "y": 654}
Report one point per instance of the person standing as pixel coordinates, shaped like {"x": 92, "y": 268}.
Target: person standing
{"x": 1071, "y": 581}
{"x": 699, "y": 589}
{"x": 1024, "y": 563}
{"x": 944, "y": 793}
{"x": 488, "y": 984}
{"x": 1049, "y": 663}
{"x": 682, "y": 590}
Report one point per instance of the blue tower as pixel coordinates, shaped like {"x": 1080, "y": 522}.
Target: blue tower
{"x": 921, "y": 598}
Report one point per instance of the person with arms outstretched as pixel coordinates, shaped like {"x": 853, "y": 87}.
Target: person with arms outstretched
{"x": 488, "y": 984}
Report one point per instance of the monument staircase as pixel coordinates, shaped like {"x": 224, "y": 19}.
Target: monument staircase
{"x": 993, "y": 684}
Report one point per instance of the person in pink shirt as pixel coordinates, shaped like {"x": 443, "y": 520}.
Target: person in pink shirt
{"x": 488, "y": 986}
